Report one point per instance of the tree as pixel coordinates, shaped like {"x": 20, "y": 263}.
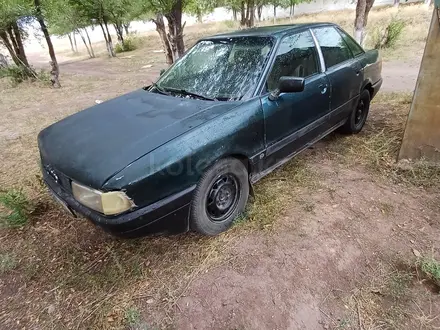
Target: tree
{"x": 70, "y": 18}
{"x": 14, "y": 15}
{"x": 276, "y": 4}
{"x": 55, "y": 70}
{"x": 200, "y": 8}
{"x": 363, "y": 8}
{"x": 293, "y": 3}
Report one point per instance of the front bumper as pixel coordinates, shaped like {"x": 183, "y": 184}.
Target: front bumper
{"x": 167, "y": 216}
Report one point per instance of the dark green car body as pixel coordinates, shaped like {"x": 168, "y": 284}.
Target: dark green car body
{"x": 156, "y": 147}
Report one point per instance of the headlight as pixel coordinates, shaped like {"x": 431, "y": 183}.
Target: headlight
{"x": 112, "y": 202}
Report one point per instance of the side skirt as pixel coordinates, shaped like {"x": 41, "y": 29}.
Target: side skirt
{"x": 258, "y": 176}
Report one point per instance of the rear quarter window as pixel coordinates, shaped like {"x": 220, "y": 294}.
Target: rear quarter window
{"x": 353, "y": 45}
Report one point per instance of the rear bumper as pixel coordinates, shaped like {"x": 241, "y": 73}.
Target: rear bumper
{"x": 167, "y": 216}
{"x": 376, "y": 87}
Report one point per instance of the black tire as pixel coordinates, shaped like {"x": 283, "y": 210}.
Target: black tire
{"x": 224, "y": 187}
{"x": 358, "y": 116}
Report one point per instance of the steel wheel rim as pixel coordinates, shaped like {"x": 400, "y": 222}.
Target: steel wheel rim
{"x": 222, "y": 197}
{"x": 360, "y": 113}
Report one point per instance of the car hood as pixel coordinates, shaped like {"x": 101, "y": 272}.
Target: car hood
{"x": 94, "y": 144}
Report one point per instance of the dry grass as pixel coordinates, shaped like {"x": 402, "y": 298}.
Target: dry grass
{"x": 376, "y": 147}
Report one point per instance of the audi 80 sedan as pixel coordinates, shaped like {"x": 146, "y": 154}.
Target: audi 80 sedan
{"x": 183, "y": 153}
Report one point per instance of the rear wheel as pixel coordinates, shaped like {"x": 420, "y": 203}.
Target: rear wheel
{"x": 221, "y": 195}
{"x": 358, "y": 116}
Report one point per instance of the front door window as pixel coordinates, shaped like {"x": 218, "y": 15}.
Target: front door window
{"x": 296, "y": 57}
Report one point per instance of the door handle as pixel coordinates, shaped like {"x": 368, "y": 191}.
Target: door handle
{"x": 323, "y": 88}
{"x": 358, "y": 72}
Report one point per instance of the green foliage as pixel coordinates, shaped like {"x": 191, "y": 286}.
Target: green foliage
{"x": 132, "y": 316}
{"x": 17, "y": 74}
{"x": 200, "y": 7}
{"x": 387, "y": 38}
{"x": 130, "y": 43}
{"x": 12, "y": 11}
{"x": 7, "y": 262}
{"x": 431, "y": 268}
{"x": 18, "y": 206}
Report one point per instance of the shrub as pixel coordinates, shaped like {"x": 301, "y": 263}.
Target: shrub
{"x": 17, "y": 74}
{"x": 387, "y": 38}
{"x": 129, "y": 44}
{"x": 18, "y": 206}
{"x": 431, "y": 268}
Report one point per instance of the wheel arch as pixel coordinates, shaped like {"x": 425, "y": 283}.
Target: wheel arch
{"x": 246, "y": 162}
{"x": 369, "y": 87}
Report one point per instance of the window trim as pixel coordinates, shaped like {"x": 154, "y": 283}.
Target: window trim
{"x": 336, "y": 29}
{"x": 319, "y": 50}
{"x": 262, "y": 92}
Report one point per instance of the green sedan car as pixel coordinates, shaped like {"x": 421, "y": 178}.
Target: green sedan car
{"x": 183, "y": 153}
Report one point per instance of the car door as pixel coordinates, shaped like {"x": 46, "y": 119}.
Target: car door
{"x": 293, "y": 119}
{"x": 343, "y": 70}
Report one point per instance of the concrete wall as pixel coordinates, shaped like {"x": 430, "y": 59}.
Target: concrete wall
{"x": 422, "y": 132}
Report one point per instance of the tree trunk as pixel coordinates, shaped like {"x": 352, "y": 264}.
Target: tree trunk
{"x": 4, "y": 37}
{"x": 90, "y": 43}
{"x": 85, "y": 43}
{"x": 19, "y": 44}
{"x": 234, "y": 14}
{"x": 292, "y": 11}
{"x": 250, "y": 13}
{"x": 13, "y": 43}
{"x": 175, "y": 29}
{"x": 396, "y": 3}
{"x": 199, "y": 15}
{"x": 119, "y": 31}
{"x": 126, "y": 27}
{"x": 160, "y": 28}
{"x": 71, "y": 43}
{"x": 259, "y": 12}
{"x": 359, "y": 20}
{"x": 274, "y": 14}
{"x": 111, "y": 51}
{"x": 55, "y": 68}
{"x": 74, "y": 42}
{"x": 243, "y": 13}
{"x": 368, "y": 7}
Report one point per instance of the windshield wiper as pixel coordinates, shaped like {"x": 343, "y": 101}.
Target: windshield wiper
{"x": 183, "y": 91}
{"x": 160, "y": 89}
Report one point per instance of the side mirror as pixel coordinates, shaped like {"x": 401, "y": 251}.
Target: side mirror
{"x": 162, "y": 72}
{"x": 287, "y": 85}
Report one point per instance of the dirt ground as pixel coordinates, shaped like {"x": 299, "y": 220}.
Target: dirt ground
{"x": 333, "y": 240}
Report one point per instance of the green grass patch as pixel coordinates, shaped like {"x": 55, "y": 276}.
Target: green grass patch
{"x": 132, "y": 316}
{"x": 17, "y": 206}
{"x": 431, "y": 268}
{"x": 7, "y": 262}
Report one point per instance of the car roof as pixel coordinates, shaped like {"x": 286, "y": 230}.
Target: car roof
{"x": 267, "y": 31}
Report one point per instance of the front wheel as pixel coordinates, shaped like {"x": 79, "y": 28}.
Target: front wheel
{"x": 358, "y": 116}
{"x": 221, "y": 195}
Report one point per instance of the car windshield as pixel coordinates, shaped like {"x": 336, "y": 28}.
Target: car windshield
{"x": 226, "y": 69}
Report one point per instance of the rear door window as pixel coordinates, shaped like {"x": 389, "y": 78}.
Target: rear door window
{"x": 334, "y": 49}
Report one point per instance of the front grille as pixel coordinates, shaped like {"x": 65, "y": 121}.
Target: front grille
{"x": 57, "y": 177}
